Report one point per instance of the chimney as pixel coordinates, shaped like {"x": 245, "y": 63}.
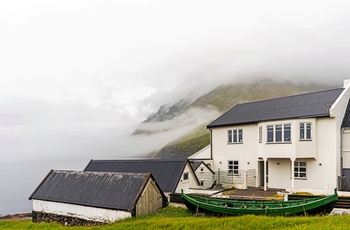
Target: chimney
{"x": 346, "y": 83}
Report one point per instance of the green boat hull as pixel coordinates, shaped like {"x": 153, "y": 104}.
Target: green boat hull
{"x": 227, "y": 207}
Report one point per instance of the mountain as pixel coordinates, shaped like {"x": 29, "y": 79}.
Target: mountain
{"x": 197, "y": 114}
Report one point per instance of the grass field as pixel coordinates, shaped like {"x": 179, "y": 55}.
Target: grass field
{"x": 178, "y": 218}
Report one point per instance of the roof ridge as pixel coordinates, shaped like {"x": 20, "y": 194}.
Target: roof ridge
{"x": 294, "y": 95}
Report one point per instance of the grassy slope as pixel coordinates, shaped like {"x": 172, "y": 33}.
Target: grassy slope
{"x": 177, "y": 218}
{"x": 225, "y": 97}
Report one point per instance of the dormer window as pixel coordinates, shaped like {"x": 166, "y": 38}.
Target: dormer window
{"x": 235, "y": 136}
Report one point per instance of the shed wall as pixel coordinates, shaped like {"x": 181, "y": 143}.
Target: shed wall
{"x": 82, "y": 212}
{"x": 150, "y": 200}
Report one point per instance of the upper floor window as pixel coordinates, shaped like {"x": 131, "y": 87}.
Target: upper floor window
{"x": 300, "y": 169}
{"x": 235, "y": 136}
{"x": 305, "y": 131}
{"x": 279, "y": 133}
{"x": 233, "y": 167}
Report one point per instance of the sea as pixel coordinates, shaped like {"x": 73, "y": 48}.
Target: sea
{"x": 18, "y": 179}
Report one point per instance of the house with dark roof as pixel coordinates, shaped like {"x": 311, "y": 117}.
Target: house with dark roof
{"x": 79, "y": 198}
{"x": 295, "y": 142}
{"x": 172, "y": 175}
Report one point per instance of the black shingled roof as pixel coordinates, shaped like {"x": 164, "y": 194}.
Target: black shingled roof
{"x": 118, "y": 191}
{"x": 316, "y": 104}
{"x": 167, "y": 173}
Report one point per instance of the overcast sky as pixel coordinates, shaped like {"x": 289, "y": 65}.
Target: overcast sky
{"x": 75, "y": 76}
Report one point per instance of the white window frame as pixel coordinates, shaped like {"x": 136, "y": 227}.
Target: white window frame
{"x": 300, "y": 170}
{"x": 235, "y": 136}
{"x": 305, "y": 131}
{"x": 233, "y": 167}
{"x": 278, "y": 133}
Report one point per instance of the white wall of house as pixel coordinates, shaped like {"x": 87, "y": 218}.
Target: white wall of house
{"x": 245, "y": 153}
{"x": 338, "y": 111}
{"x": 346, "y": 148}
{"x": 186, "y": 184}
{"x": 204, "y": 155}
{"x": 83, "y": 212}
{"x": 205, "y": 176}
{"x": 279, "y": 173}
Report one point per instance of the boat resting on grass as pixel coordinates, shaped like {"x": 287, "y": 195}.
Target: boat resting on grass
{"x": 228, "y": 207}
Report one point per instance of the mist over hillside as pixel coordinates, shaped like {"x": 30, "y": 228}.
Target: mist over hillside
{"x": 192, "y": 117}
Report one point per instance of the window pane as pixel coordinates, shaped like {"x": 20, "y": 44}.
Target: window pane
{"x": 185, "y": 176}
{"x": 229, "y": 136}
{"x": 301, "y": 130}
{"x": 240, "y": 135}
{"x": 235, "y": 136}
{"x": 278, "y": 133}
{"x": 270, "y": 133}
{"x": 302, "y": 163}
{"x": 287, "y": 133}
{"x": 308, "y": 130}
{"x": 230, "y": 166}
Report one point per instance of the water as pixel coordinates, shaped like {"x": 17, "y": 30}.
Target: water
{"x": 19, "y": 179}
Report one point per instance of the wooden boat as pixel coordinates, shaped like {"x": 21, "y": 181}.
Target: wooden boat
{"x": 228, "y": 207}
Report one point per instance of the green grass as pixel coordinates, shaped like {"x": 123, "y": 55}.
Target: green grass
{"x": 178, "y": 218}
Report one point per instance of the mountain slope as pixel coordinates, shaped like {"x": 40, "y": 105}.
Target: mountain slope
{"x": 219, "y": 100}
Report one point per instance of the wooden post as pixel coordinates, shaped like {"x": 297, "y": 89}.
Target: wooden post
{"x": 265, "y": 173}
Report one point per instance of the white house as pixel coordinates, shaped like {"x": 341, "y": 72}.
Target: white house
{"x": 295, "y": 142}
{"x": 80, "y": 198}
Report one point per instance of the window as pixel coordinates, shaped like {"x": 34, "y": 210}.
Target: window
{"x": 233, "y": 167}
{"x": 300, "y": 170}
{"x": 270, "y": 133}
{"x": 186, "y": 176}
{"x": 287, "y": 135}
{"x": 305, "y": 131}
{"x": 279, "y": 133}
{"x": 260, "y": 134}
{"x": 229, "y": 136}
{"x": 235, "y": 136}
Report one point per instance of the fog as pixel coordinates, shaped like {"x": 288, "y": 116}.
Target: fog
{"x": 78, "y": 77}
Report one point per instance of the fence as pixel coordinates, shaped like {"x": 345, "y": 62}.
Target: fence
{"x": 241, "y": 180}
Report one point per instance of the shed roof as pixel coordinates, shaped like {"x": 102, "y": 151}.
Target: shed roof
{"x": 316, "y": 104}
{"x": 196, "y": 163}
{"x": 166, "y": 172}
{"x": 119, "y": 191}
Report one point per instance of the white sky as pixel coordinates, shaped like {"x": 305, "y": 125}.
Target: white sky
{"x": 98, "y": 68}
